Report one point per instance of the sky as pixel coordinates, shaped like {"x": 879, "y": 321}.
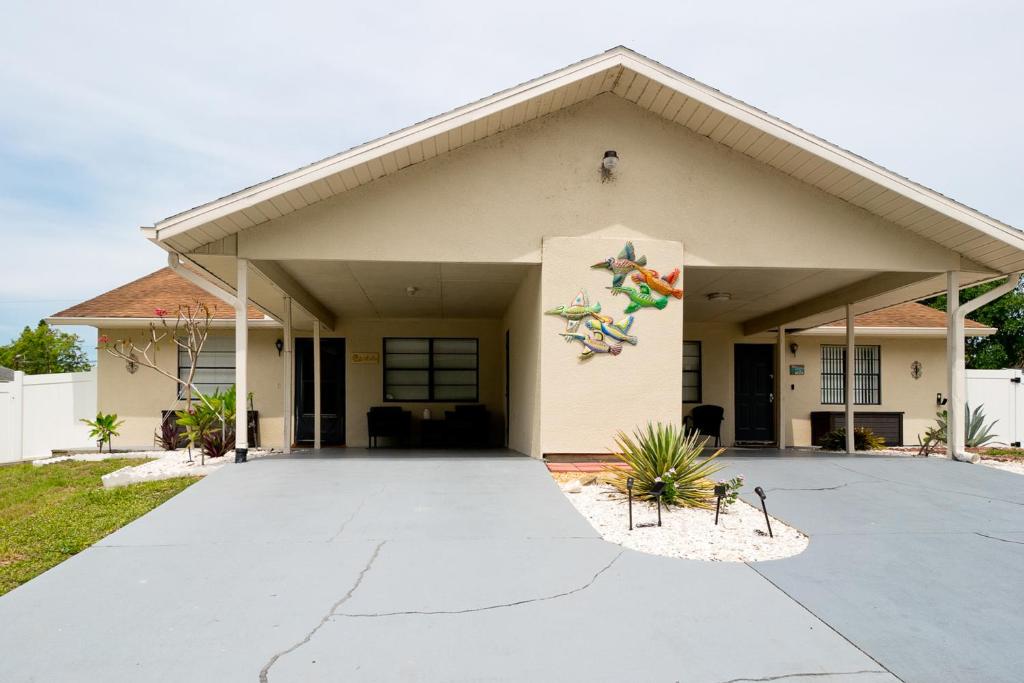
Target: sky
{"x": 115, "y": 115}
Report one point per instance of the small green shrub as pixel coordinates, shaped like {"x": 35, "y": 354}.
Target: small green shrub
{"x": 104, "y": 428}
{"x": 203, "y": 424}
{"x": 732, "y": 491}
{"x": 664, "y": 453}
{"x": 863, "y": 440}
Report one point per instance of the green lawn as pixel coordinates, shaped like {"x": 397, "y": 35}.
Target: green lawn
{"x": 1005, "y": 452}
{"x": 47, "y": 514}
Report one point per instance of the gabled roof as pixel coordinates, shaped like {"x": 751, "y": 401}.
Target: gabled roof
{"x": 651, "y": 86}
{"x": 139, "y": 300}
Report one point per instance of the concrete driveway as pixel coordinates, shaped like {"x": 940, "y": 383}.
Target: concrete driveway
{"x": 918, "y": 562}
{"x": 477, "y": 568}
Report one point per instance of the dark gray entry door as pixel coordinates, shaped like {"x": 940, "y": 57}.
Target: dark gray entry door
{"x": 755, "y": 398}
{"x": 332, "y": 391}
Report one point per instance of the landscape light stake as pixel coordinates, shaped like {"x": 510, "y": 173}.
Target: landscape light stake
{"x": 657, "y": 490}
{"x": 720, "y": 490}
{"x": 629, "y": 489}
{"x": 760, "y": 492}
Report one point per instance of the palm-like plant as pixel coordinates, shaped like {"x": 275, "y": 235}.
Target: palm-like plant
{"x": 104, "y": 428}
{"x": 209, "y": 426}
{"x": 665, "y": 454}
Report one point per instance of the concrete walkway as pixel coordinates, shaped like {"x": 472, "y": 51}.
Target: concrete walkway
{"x": 477, "y": 568}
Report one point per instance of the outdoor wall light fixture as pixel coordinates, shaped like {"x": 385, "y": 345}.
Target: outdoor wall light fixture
{"x": 720, "y": 490}
{"x": 608, "y": 164}
{"x": 719, "y": 296}
{"x": 793, "y": 348}
{"x": 940, "y": 400}
{"x": 629, "y": 490}
{"x": 279, "y": 345}
{"x": 411, "y": 291}
{"x": 760, "y": 494}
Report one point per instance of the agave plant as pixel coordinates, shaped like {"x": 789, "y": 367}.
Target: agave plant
{"x": 104, "y": 428}
{"x": 665, "y": 454}
{"x": 977, "y": 433}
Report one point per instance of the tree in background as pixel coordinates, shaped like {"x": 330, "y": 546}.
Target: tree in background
{"x": 45, "y": 350}
{"x": 1005, "y": 348}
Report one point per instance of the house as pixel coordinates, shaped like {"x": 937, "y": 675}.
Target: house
{"x": 427, "y": 268}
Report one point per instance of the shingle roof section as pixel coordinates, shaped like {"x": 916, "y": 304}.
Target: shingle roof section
{"x": 903, "y": 315}
{"x": 139, "y": 299}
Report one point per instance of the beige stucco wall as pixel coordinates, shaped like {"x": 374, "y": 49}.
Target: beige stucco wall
{"x": 584, "y": 403}
{"x": 139, "y": 398}
{"x": 523, "y": 321}
{"x": 364, "y": 382}
{"x": 900, "y": 391}
{"x": 496, "y": 199}
{"x": 802, "y": 394}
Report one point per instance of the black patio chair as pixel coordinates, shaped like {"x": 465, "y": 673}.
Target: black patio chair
{"x": 707, "y": 420}
{"x": 389, "y": 422}
{"x": 468, "y": 426}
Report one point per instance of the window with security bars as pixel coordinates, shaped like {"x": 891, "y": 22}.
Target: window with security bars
{"x": 867, "y": 375}
{"x": 431, "y": 369}
{"x": 691, "y": 372}
{"x": 215, "y": 369}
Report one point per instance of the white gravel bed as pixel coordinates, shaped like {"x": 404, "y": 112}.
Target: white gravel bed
{"x": 172, "y": 464}
{"x": 162, "y": 465}
{"x": 741, "y": 535}
{"x": 96, "y": 457}
{"x": 1016, "y": 467}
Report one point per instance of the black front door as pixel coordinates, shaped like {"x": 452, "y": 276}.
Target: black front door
{"x": 755, "y": 398}
{"x": 332, "y": 391}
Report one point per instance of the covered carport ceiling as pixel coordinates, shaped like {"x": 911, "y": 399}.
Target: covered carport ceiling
{"x": 359, "y": 290}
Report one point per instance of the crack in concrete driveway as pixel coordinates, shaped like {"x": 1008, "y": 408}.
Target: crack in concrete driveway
{"x": 265, "y": 671}
{"x": 486, "y": 608}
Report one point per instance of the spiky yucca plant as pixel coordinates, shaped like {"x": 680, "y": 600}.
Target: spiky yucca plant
{"x": 666, "y": 453}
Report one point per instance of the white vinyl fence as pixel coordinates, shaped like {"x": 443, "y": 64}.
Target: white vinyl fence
{"x": 40, "y": 413}
{"x": 1001, "y": 394}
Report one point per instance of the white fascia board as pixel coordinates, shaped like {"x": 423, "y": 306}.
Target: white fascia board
{"x": 175, "y": 225}
{"x": 622, "y": 57}
{"x": 126, "y": 323}
{"x": 821, "y": 148}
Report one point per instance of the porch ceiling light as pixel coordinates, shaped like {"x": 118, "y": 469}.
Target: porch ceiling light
{"x": 719, "y": 296}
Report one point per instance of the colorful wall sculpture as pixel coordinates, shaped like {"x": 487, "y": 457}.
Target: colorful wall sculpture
{"x": 595, "y": 331}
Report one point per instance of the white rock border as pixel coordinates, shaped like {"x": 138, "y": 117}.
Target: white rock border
{"x": 173, "y": 464}
{"x": 741, "y": 535}
{"x": 162, "y": 465}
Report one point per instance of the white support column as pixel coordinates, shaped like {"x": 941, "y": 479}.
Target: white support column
{"x": 242, "y": 362}
{"x": 956, "y": 314}
{"x": 286, "y": 378}
{"x": 316, "y": 385}
{"x": 955, "y": 364}
{"x": 848, "y": 384}
{"x": 780, "y": 387}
